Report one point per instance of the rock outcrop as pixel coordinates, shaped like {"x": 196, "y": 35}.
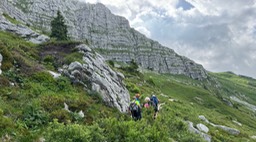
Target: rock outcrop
{"x": 111, "y": 34}
{"x": 96, "y": 75}
{"x": 22, "y": 31}
{"x": 246, "y": 104}
{"x": 1, "y": 59}
{"x": 229, "y": 130}
{"x": 192, "y": 129}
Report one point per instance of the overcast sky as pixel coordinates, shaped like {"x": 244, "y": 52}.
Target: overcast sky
{"x": 219, "y": 34}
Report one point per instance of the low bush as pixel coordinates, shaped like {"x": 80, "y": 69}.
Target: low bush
{"x": 48, "y": 59}
{"x": 43, "y": 77}
{"x": 7, "y": 62}
{"x": 132, "y": 88}
{"x": 34, "y": 116}
{"x": 58, "y": 132}
{"x": 151, "y": 81}
{"x": 63, "y": 84}
{"x": 95, "y": 96}
{"x": 63, "y": 116}
{"x": 75, "y": 56}
{"x": 6, "y": 124}
{"x": 52, "y": 103}
{"x": 111, "y": 63}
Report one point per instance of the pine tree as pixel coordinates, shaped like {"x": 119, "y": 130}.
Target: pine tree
{"x": 59, "y": 28}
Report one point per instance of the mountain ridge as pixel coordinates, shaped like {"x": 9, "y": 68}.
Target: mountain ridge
{"x": 106, "y": 32}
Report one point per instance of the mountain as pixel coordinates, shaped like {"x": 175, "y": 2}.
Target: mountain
{"x": 66, "y": 90}
{"x": 110, "y": 34}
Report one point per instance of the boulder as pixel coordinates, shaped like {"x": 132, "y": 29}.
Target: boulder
{"x": 202, "y": 128}
{"x": 81, "y": 114}
{"x": 94, "y": 73}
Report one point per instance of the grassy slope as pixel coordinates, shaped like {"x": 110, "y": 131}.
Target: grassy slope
{"x": 28, "y": 108}
{"x": 235, "y": 84}
{"x": 36, "y": 98}
{"x": 194, "y": 100}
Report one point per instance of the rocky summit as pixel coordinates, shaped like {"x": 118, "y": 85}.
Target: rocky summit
{"x": 110, "y": 34}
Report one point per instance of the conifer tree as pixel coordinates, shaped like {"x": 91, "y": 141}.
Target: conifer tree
{"x": 59, "y": 28}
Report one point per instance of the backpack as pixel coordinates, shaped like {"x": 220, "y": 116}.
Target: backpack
{"x": 133, "y": 107}
{"x": 154, "y": 100}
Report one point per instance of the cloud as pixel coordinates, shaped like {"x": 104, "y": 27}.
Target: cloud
{"x": 144, "y": 31}
{"x": 221, "y": 35}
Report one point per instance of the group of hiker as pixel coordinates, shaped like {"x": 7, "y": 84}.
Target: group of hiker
{"x": 135, "y": 107}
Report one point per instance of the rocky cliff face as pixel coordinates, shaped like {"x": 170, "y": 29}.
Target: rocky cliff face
{"x": 110, "y": 33}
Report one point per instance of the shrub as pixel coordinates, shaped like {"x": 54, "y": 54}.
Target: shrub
{"x": 63, "y": 84}
{"x": 48, "y": 59}
{"x": 151, "y": 81}
{"x": 52, "y": 103}
{"x": 95, "y": 96}
{"x": 132, "y": 68}
{"x": 133, "y": 88}
{"x": 13, "y": 76}
{"x": 97, "y": 134}
{"x": 61, "y": 115}
{"x": 111, "y": 63}
{"x": 4, "y": 81}
{"x": 6, "y": 123}
{"x": 75, "y": 56}
{"x": 129, "y": 131}
{"x": 43, "y": 77}
{"x": 58, "y": 132}
{"x": 7, "y": 62}
{"x": 34, "y": 116}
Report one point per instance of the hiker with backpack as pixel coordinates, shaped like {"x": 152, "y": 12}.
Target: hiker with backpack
{"x": 155, "y": 101}
{"x": 135, "y": 108}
